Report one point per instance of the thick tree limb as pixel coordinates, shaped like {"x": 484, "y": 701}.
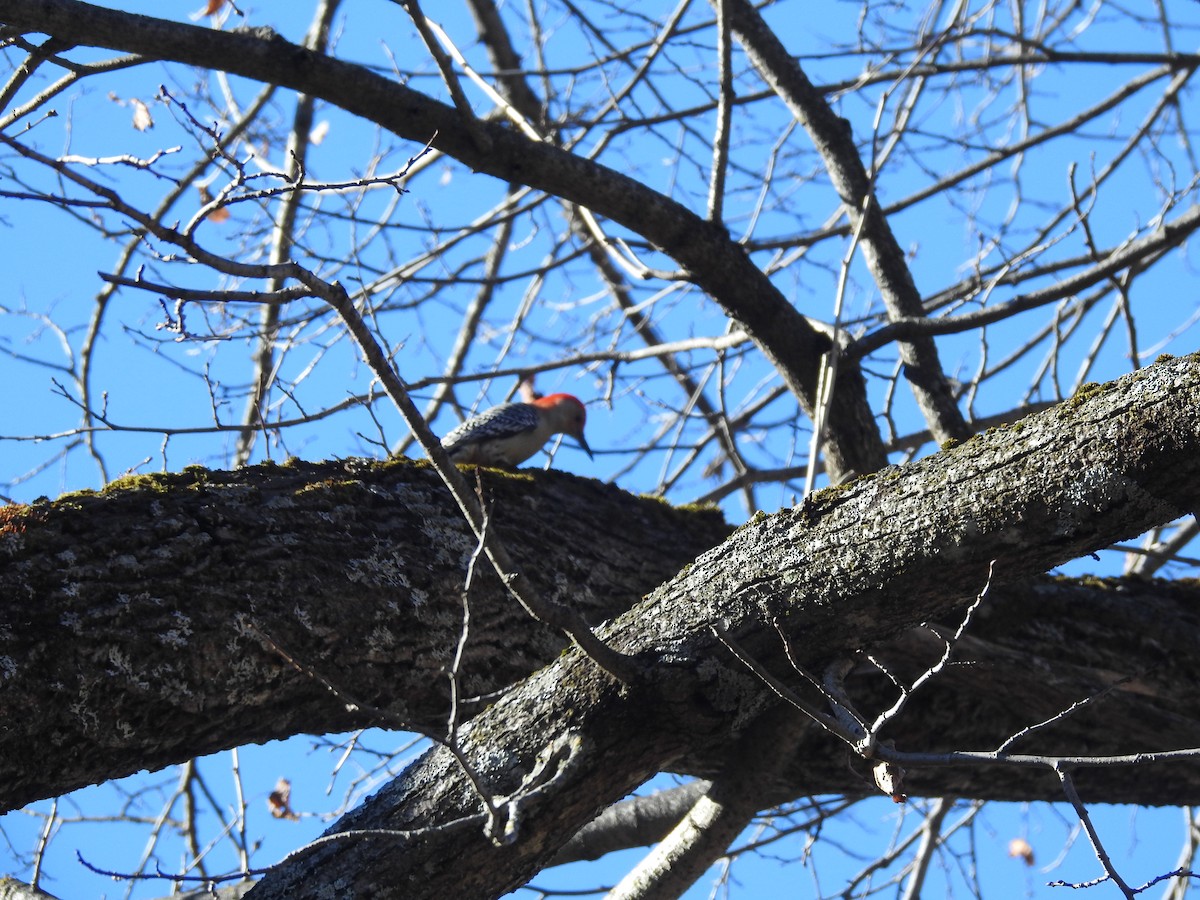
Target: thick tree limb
{"x": 141, "y": 623}
{"x": 126, "y": 643}
{"x": 851, "y": 569}
{"x": 1031, "y": 652}
{"x": 1034, "y": 650}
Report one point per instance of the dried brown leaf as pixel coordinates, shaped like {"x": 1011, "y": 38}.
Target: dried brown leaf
{"x": 280, "y": 801}
{"x": 218, "y": 215}
{"x": 1020, "y": 849}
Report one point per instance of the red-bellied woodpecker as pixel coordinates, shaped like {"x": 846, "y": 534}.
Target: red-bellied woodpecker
{"x": 509, "y": 434}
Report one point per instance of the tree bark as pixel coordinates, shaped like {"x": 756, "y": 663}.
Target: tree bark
{"x": 146, "y": 623}
{"x": 154, "y": 621}
{"x": 851, "y": 569}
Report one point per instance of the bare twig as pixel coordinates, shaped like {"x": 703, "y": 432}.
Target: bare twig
{"x": 1068, "y": 784}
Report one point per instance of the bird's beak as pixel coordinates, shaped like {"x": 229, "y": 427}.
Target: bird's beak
{"x": 584, "y": 444}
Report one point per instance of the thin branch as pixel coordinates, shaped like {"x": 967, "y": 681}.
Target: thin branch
{"x": 1068, "y": 785}
{"x": 725, "y": 100}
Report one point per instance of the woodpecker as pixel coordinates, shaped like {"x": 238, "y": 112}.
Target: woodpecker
{"x": 509, "y": 434}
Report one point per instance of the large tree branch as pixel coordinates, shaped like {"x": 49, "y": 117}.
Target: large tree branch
{"x": 145, "y": 624}
{"x": 705, "y": 250}
{"x": 356, "y": 569}
{"x": 1033, "y": 651}
{"x": 342, "y": 534}
{"x": 851, "y": 569}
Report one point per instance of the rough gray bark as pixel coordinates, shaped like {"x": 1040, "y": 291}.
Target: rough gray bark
{"x": 853, "y": 568}
{"x": 127, "y": 610}
{"x": 1032, "y": 651}
{"x": 139, "y": 621}
{"x": 11, "y": 889}
{"x": 711, "y": 824}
